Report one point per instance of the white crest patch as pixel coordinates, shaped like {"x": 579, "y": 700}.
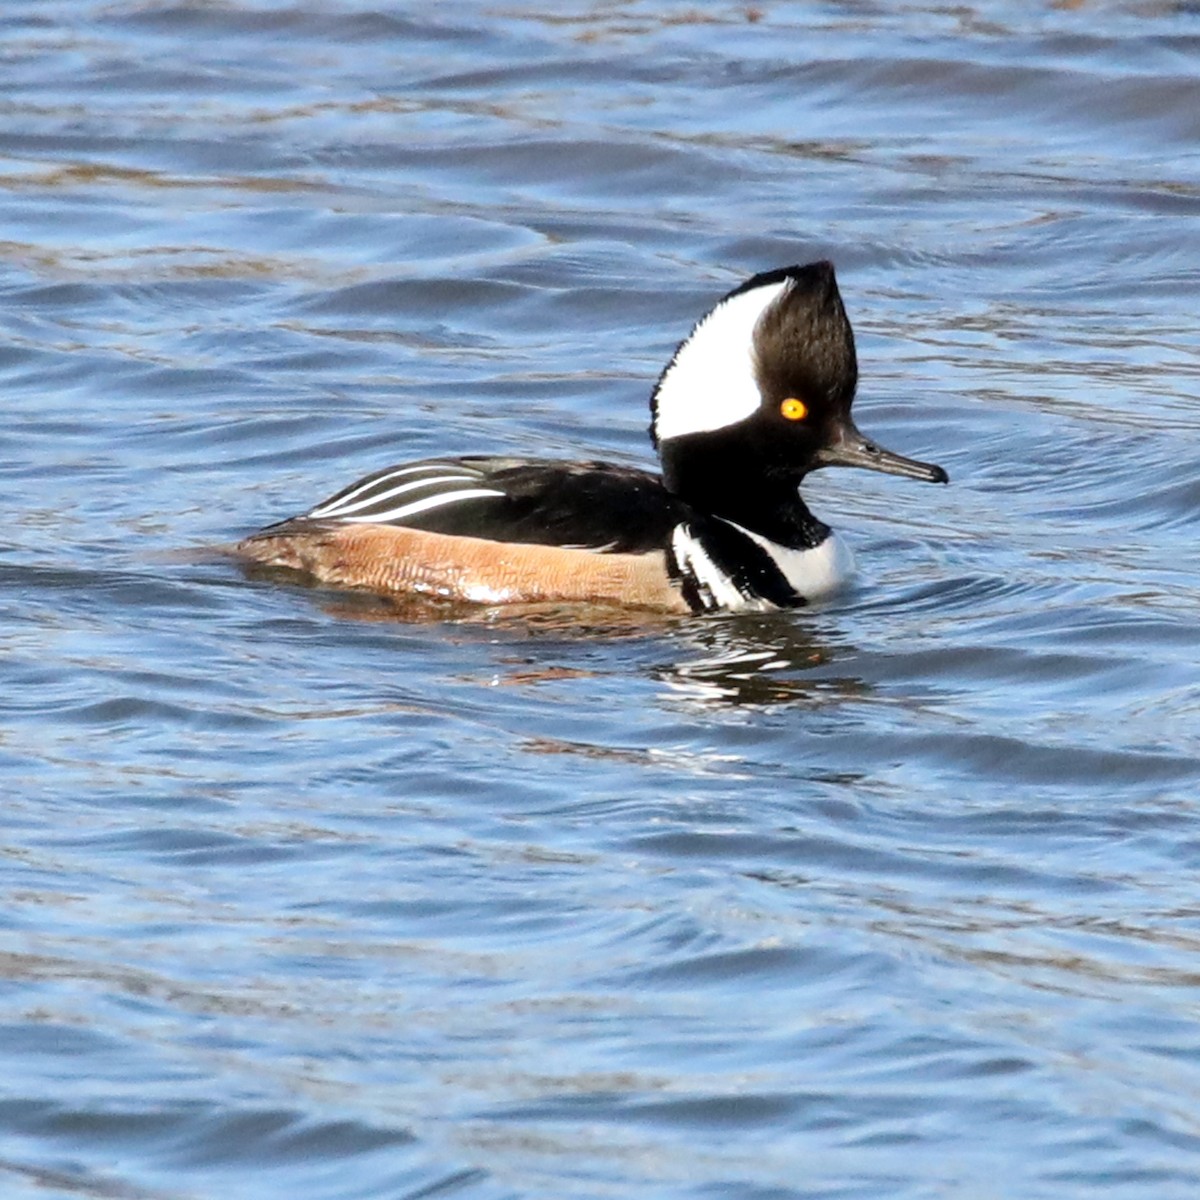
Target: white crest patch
{"x": 711, "y": 381}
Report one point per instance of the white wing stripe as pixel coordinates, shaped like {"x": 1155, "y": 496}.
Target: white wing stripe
{"x": 387, "y": 477}
{"x": 420, "y": 506}
{"x": 349, "y": 504}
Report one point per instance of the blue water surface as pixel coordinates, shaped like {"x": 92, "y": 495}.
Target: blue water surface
{"x": 307, "y": 896}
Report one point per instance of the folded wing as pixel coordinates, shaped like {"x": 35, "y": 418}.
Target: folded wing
{"x": 590, "y": 505}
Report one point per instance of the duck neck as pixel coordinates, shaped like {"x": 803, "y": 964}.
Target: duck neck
{"x": 713, "y": 477}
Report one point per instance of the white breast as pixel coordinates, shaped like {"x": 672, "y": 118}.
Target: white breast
{"x": 814, "y": 573}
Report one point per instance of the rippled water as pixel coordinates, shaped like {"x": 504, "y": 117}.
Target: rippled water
{"x": 895, "y": 897}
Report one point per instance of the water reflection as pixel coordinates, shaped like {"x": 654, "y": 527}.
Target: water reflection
{"x": 726, "y": 660}
{"x": 516, "y": 872}
{"x": 754, "y": 660}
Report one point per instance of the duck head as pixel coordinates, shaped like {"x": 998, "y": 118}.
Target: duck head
{"x": 759, "y": 394}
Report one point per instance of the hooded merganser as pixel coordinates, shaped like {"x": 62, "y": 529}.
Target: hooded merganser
{"x": 755, "y": 397}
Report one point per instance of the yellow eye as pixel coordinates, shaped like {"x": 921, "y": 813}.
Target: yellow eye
{"x": 793, "y": 409}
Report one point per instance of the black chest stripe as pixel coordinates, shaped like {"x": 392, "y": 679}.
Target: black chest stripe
{"x": 747, "y": 565}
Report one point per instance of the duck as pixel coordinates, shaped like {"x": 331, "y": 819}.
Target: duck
{"x": 756, "y": 397}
